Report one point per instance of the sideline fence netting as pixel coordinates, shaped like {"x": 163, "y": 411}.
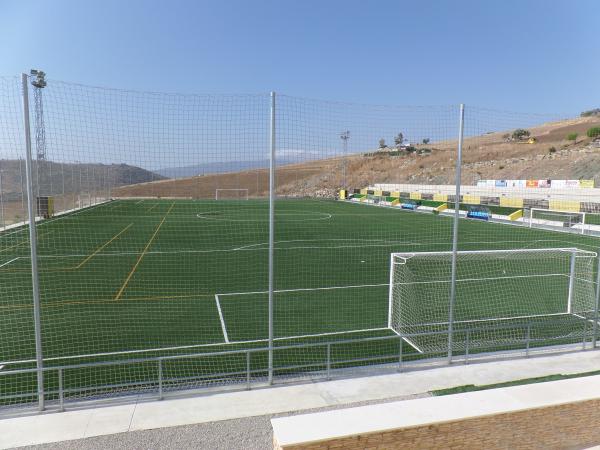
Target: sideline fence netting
{"x": 154, "y": 247}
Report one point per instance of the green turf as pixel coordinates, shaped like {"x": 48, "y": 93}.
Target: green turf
{"x": 140, "y": 277}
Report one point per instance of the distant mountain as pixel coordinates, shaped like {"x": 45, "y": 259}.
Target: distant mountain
{"x": 217, "y": 167}
{"x": 64, "y": 178}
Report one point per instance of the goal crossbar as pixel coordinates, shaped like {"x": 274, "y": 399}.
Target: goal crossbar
{"x": 239, "y": 193}
{"x": 556, "y": 218}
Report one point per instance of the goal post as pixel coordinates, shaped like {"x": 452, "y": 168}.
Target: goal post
{"x": 497, "y": 291}
{"x": 231, "y": 194}
{"x": 557, "y": 220}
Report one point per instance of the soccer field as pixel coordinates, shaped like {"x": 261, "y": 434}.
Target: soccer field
{"x": 160, "y": 277}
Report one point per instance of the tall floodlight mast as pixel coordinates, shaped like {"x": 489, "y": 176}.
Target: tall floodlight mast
{"x": 38, "y": 81}
{"x": 344, "y": 136}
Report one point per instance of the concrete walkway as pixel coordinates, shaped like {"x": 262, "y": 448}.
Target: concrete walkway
{"x": 143, "y": 414}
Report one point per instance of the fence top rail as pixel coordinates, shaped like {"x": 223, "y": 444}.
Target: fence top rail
{"x": 584, "y": 253}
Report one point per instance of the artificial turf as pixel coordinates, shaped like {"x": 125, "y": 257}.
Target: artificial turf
{"x": 162, "y": 277}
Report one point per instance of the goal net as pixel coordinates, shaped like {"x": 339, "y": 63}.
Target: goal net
{"x": 231, "y": 194}
{"x": 500, "y": 296}
{"x": 551, "y": 219}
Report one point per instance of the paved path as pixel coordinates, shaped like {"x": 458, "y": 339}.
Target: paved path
{"x": 145, "y": 414}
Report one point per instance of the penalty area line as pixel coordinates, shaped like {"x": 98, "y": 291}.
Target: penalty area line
{"x": 11, "y": 261}
{"x": 221, "y": 319}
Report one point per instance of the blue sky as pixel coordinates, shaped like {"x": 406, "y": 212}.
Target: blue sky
{"x": 536, "y": 56}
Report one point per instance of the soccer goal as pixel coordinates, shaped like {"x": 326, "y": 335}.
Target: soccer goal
{"x": 501, "y": 295}
{"x": 552, "y": 219}
{"x": 231, "y": 194}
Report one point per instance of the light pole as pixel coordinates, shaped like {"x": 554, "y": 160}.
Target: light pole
{"x": 344, "y": 136}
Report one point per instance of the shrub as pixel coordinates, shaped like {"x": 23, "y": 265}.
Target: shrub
{"x": 593, "y": 132}
{"x": 520, "y": 133}
{"x": 552, "y": 150}
{"x": 572, "y": 137}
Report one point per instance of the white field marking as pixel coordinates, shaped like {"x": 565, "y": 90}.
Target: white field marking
{"x": 185, "y": 347}
{"x": 2, "y": 366}
{"x": 221, "y": 319}
{"x": 306, "y": 289}
{"x": 324, "y": 216}
{"x": 488, "y": 278}
{"x": 243, "y": 247}
{"x": 249, "y": 248}
{"x": 138, "y": 202}
{"x": 12, "y": 260}
{"x": 384, "y": 243}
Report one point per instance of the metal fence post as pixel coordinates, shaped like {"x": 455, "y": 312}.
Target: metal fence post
{"x": 248, "y": 370}
{"x": 160, "y": 380}
{"x": 455, "y": 232}
{"x": 33, "y": 245}
{"x": 467, "y": 346}
{"x": 61, "y": 394}
{"x": 527, "y": 339}
{"x": 597, "y": 303}
{"x": 329, "y": 361}
{"x": 400, "y": 355}
{"x": 271, "y": 232}
{"x": 571, "y": 281}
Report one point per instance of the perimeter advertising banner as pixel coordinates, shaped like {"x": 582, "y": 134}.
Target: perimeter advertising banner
{"x": 544, "y": 183}
{"x": 557, "y": 184}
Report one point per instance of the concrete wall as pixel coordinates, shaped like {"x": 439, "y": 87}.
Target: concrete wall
{"x": 555, "y": 415}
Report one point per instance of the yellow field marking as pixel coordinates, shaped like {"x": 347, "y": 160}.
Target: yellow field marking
{"x": 137, "y": 263}
{"x": 99, "y": 249}
{"x": 61, "y": 303}
{"x": 82, "y": 263}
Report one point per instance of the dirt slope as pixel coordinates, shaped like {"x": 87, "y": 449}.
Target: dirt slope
{"x": 485, "y": 157}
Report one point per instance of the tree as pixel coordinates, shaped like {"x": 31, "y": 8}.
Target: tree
{"x": 426, "y": 141}
{"x": 398, "y": 140}
{"x": 520, "y": 134}
{"x": 593, "y": 132}
{"x": 572, "y": 137}
{"x": 382, "y": 143}
{"x": 591, "y": 112}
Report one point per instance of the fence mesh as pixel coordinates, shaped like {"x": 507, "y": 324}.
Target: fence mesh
{"x": 153, "y": 233}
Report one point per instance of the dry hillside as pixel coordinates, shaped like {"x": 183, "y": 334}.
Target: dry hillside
{"x": 485, "y": 157}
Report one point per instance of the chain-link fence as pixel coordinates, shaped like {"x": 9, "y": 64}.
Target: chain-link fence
{"x": 193, "y": 241}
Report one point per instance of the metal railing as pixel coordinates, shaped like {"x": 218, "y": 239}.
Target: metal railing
{"x": 465, "y": 351}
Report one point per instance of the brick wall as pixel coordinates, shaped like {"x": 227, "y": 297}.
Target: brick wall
{"x": 566, "y": 426}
